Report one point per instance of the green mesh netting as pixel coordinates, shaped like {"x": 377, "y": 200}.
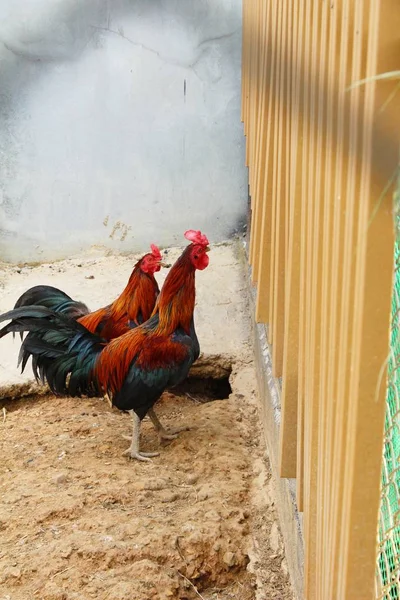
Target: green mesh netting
{"x": 388, "y": 571}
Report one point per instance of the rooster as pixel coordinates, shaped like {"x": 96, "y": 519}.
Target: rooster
{"x": 136, "y": 303}
{"x": 133, "y": 369}
{"x": 133, "y": 307}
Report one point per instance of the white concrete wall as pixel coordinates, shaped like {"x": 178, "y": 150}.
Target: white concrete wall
{"x": 119, "y": 124}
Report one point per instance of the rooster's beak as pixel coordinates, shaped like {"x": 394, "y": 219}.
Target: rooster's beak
{"x": 207, "y": 249}
{"x": 165, "y": 265}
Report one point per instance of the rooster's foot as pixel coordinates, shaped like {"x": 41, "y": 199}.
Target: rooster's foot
{"x": 142, "y": 456}
{"x": 164, "y": 434}
{"x": 170, "y": 434}
{"x": 133, "y": 450}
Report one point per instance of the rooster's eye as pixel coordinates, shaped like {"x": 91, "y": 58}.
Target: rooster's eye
{"x": 196, "y": 256}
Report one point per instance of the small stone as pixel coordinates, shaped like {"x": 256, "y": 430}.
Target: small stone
{"x": 89, "y": 276}
{"x": 274, "y": 538}
{"x": 13, "y": 572}
{"x": 229, "y": 559}
{"x": 151, "y": 484}
{"x": 155, "y": 484}
{"x": 67, "y": 552}
{"x": 212, "y": 515}
{"x": 284, "y": 567}
{"x": 216, "y": 546}
{"x": 203, "y": 493}
{"x": 169, "y": 497}
{"x": 192, "y": 478}
{"x": 60, "y": 478}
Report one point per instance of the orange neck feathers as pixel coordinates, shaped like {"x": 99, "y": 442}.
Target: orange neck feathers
{"x": 138, "y": 296}
{"x": 175, "y": 303}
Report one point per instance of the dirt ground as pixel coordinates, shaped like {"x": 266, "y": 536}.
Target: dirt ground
{"x": 78, "y": 520}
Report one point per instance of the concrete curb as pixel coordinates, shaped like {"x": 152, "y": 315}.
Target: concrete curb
{"x": 270, "y": 398}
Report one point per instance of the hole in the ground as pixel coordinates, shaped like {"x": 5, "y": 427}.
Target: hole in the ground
{"x": 204, "y": 389}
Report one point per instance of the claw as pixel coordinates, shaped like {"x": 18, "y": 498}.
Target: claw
{"x": 179, "y": 429}
{"x": 170, "y": 434}
{"x": 164, "y": 434}
{"x": 142, "y": 456}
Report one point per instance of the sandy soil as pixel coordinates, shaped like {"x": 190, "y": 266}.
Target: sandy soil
{"x": 78, "y": 520}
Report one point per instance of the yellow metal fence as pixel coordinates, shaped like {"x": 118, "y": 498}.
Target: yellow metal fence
{"x": 322, "y": 147}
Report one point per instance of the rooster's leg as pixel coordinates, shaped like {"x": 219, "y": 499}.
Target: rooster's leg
{"x": 163, "y": 434}
{"x": 108, "y": 399}
{"x": 133, "y": 449}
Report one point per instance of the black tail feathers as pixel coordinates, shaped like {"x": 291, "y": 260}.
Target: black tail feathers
{"x": 63, "y": 352}
{"x": 53, "y": 298}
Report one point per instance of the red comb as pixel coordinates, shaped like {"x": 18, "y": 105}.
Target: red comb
{"x": 196, "y": 237}
{"x": 155, "y": 251}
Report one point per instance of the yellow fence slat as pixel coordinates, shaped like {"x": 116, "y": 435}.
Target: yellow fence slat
{"x": 289, "y": 399}
{"x": 328, "y": 306}
{"x": 313, "y": 303}
{"x": 261, "y": 232}
{"x": 279, "y": 203}
{"x": 255, "y": 83}
{"x": 264, "y": 303}
{"x": 335, "y": 272}
{"x": 347, "y": 282}
{"x": 304, "y": 406}
{"x": 320, "y": 204}
{"x": 258, "y": 157}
